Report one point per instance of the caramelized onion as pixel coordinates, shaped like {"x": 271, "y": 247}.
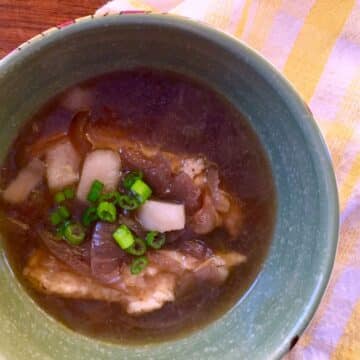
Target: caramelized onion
{"x": 106, "y": 256}
{"x": 76, "y": 257}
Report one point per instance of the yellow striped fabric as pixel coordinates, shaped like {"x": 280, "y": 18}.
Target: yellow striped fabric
{"x": 316, "y": 44}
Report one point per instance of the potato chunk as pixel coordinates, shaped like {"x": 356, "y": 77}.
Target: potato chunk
{"x": 102, "y": 165}
{"x": 162, "y": 216}
{"x": 25, "y": 182}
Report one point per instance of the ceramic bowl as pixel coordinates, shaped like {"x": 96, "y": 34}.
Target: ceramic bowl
{"x": 282, "y": 300}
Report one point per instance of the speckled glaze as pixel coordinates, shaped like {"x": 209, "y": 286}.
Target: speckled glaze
{"x": 283, "y": 299}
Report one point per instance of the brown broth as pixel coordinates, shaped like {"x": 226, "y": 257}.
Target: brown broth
{"x": 182, "y": 116}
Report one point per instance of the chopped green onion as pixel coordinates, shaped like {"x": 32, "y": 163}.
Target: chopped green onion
{"x": 112, "y": 197}
{"x": 141, "y": 190}
{"x": 95, "y": 191}
{"x": 55, "y": 218}
{"x": 64, "y": 212}
{"x": 59, "y": 197}
{"x": 131, "y": 177}
{"x": 61, "y": 229}
{"x": 138, "y": 265}
{"x": 128, "y": 202}
{"x": 123, "y": 237}
{"x": 106, "y": 211}
{"x": 155, "y": 239}
{"x": 89, "y": 216}
{"x": 138, "y": 248}
{"x": 74, "y": 233}
{"x": 69, "y": 193}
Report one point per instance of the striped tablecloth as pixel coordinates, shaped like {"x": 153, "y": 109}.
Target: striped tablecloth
{"x": 316, "y": 45}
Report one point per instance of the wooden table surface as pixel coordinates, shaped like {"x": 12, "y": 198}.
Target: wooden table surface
{"x": 22, "y": 19}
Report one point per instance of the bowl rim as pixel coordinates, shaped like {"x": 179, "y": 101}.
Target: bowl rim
{"x": 269, "y": 73}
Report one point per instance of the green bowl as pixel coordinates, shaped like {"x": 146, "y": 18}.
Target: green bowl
{"x": 281, "y": 302}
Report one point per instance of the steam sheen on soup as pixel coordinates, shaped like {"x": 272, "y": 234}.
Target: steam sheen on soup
{"x": 137, "y": 206}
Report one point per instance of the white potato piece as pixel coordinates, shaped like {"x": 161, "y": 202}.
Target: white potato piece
{"x": 25, "y": 182}
{"x": 102, "y": 165}
{"x": 63, "y": 163}
{"x": 162, "y": 216}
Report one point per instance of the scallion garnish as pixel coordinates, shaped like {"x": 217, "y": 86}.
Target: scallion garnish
{"x": 138, "y": 265}
{"x": 128, "y": 202}
{"x": 89, "y": 216}
{"x": 69, "y": 193}
{"x": 74, "y": 233}
{"x": 131, "y": 177}
{"x": 95, "y": 191}
{"x": 59, "y": 215}
{"x": 113, "y": 197}
{"x": 124, "y": 237}
{"x": 141, "y": 190}
{"x": 55, "y": 218}
{"x": 64, "y": 212}
{"x": 138, "y": 248}
{"x": 59, "y": 197}
{"x": 106, "y": 211}
{"x": 155, "y": 239}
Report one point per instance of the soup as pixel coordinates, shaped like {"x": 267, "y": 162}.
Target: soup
{"x": 137, "y": 206}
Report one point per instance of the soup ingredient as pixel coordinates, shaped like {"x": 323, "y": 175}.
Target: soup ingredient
{"x": 196, "y": 248}
{"x": 25, "y": 182}
{"x": 64, "y": 212}
{"x": 162, "y": 216}
{"x": 113, "y": 197}
{"x": 67, "y": 194}
{"x": 139, "y": 294}
{"x": 106, "y": 211}
{"x": 55, "y": 218}
{"x": 106, "y": 256}
{"x": 59, "y": 197}
{"x": 62, "y": 163}
{"x": 74, "y": 233}
{"x": 101, "y": 165}
{"x": 76, "y": 257}
{"x": 219, "y": 197}
{"x": 165, "y": 272}
{"x": 77, "y": 132}
{"x": 131, "y": 177}
{"x": 41, "y": 146}
{"x": 193, "y": 166}
{"x": 128, "y": 202}
{"x": 95, "y": 191}
{"x": 59, "y": 215}
{"x": 90, "y": 215}
{"x": 141, "y": 190}
{"x": 155, "y": 240}
{"x": 52, "y": 276}
{"x": 123, "y": 236}
{"x": 138, "y": 265}
{"x": 138, "y": 247}
{"x": 206, "y": 219}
